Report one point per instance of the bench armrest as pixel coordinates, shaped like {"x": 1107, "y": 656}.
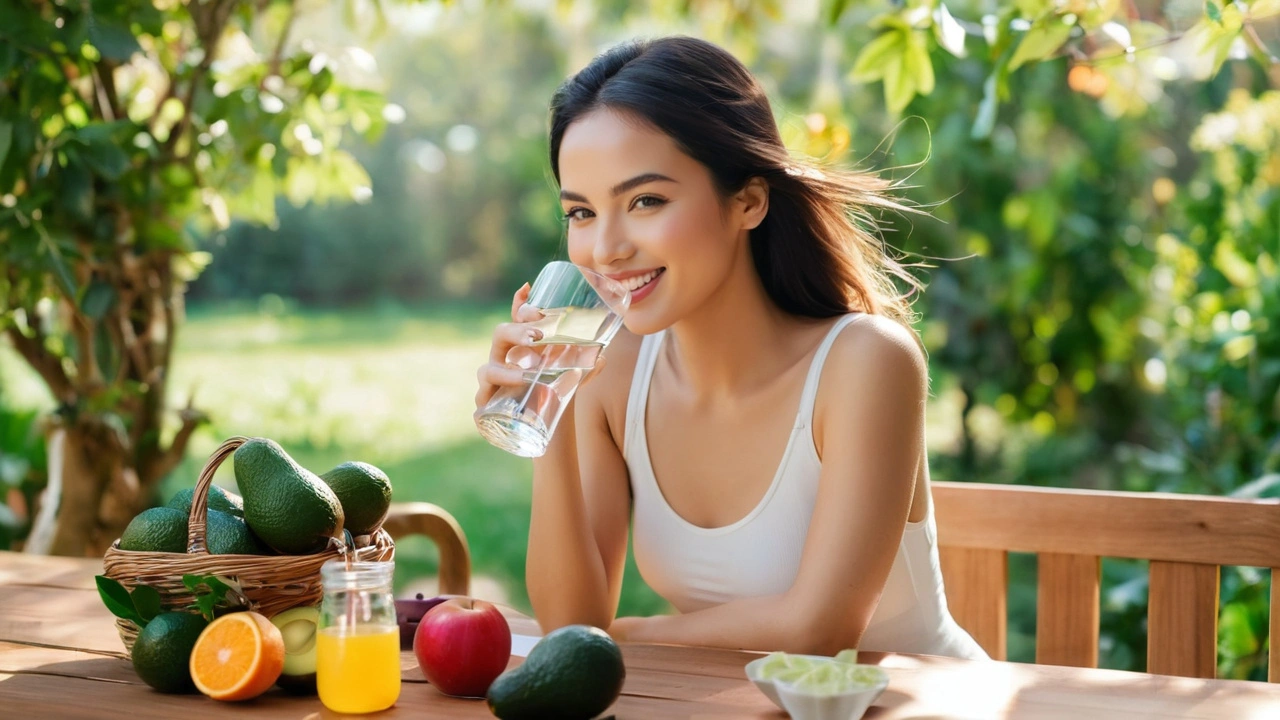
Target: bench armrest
{"x": 435, "y": 522}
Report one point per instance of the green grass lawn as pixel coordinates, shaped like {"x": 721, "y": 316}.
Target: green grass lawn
{"x": 392, "y": 387}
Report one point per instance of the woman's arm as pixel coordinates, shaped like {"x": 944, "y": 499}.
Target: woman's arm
{"x": 581, "y": 509}
{"x": 872, "y": 438}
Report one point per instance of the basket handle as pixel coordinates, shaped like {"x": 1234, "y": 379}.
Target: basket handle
{"x": 196, "y": 540}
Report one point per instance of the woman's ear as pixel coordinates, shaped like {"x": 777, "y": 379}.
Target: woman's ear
{"x": 753, "y": 201}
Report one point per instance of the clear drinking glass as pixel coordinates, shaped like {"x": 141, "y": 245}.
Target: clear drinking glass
{"x": 358, "y": 643}
{"x": 581, "y": 312}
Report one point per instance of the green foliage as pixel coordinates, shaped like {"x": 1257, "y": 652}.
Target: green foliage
{"x": 129, "y": 129}
{"x": 138, "y": 607}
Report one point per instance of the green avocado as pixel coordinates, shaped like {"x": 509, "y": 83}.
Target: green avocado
{"x": 365, "y": 494}
{"x": 227, "y": 534}
{"x": 161, "y": 655}
{"x": 286, "y": 505}
{"x": 159, "y": 529}
{"x": 219, "y": 499}
{"x": 574, "y": 673}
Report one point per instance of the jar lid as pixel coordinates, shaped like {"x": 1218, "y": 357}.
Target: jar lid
{"x": 337, "y": 574}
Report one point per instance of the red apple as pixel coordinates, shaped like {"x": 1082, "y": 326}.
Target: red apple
{"x": 462, "y": 645}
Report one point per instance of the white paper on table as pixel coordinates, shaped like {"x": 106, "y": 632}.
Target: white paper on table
{"x": 522, "y": 644}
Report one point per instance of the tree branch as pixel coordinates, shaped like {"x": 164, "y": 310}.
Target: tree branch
{"x": 161, "y": 465}
{"x": 47, "y": 364}
{"x": 273, "y": 67}
{"x": 209, "y": 26}
{"x": 105, "y": 85}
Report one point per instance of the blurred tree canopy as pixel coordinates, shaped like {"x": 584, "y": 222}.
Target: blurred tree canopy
{"x": 129, "y": 129}
{"x": 1102, "y": 301}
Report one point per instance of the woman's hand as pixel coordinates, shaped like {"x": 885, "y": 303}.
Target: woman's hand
{"x": 498, "y": 373}
{"x": 518, "y": 333}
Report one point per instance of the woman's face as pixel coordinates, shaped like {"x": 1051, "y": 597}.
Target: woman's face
{"x": 643, "y": 212}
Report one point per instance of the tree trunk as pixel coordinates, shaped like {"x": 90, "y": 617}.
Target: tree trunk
{"x": 96, "y": 499}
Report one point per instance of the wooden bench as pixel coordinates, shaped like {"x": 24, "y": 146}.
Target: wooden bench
{"x": 1186, "y": 538}
{"x": 433, "y": 521}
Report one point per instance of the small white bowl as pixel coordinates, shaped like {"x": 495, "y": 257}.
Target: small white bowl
{"x": 850, "y": 705}
{"x": 802, "y": 701}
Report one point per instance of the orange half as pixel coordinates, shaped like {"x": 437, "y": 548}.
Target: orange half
{"x": 238, "y": 657}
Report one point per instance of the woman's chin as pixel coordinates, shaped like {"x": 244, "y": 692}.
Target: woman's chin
{"x": 643, "y": 323}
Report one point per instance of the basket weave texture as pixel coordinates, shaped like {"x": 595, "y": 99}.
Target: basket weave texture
{"x": 272, "y": 583}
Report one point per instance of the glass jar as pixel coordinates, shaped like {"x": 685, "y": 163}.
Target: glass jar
{"x": 358, "y": 644}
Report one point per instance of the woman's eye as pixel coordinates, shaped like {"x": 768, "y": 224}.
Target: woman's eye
{"x": 648, "y": 201}
{"x": 577, "y": 213}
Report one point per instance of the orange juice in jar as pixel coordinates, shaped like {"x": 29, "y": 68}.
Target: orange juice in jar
{"x": 358, "y": 645}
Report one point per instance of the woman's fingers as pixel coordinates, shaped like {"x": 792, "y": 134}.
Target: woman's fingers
{"x": 527, "y": 314}
{"x": 498, "y": 372}
{"x": 492, "y": 376}
{"x": 520, "y": 298}
{"x": 509, "y": 335}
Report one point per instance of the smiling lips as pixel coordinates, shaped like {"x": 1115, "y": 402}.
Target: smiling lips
{"x": 641, "y": 285}
{"x": 633, "y": 284}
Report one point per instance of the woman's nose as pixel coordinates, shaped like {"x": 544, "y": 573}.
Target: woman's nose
{"x": 611, "y": 244}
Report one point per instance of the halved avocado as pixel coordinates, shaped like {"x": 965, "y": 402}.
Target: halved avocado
{"x": 298, "y": 626}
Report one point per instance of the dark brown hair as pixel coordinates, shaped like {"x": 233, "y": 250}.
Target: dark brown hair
{"x": 818, "y": 251}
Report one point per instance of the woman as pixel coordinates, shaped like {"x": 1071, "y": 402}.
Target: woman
{"x": 760, "y": 420}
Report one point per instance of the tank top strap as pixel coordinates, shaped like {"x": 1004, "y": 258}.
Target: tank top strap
{"x": 638, "y": 400}
{"x": 808, "y": 397}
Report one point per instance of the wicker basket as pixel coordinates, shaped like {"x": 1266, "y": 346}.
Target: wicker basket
{"x": 272, "y": 583}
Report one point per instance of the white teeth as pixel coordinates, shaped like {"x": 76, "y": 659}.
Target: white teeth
{"x": 639, "y": 281}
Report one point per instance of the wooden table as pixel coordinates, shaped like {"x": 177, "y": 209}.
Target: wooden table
{"x": 60, "y": 657}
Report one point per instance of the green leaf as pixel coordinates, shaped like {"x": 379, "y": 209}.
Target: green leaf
{"x": 918, "y": 64}
{"x": 75, "y": 187}
{"x": 58, "y": 266}
{"x": 1032, "y": 8}
{"x": 106, "y": 159}
{"x": 1099, "y": 13}
{"x": 985, "y": 121}
{"x": 217, "y": 586}
{"x": 1045, "y": 37}
{"x": 105, "y": 351}
{"x": 899, "y": 84}
{"x": 1213, "y": 11}
{"x": 1236, "y": 635}
{"x": 147, "y": 602}
{"x": 98, "y": 299}
{"x": 117, "y": 599}
{"x": 210, "y": 591}
{"x": 6, "y": 139}
{"x": 885, "y": 50}
{"x": 114, "y": 41}
{"x": 8, "y": 57}
{"x": 835, "y": 10}
{"x": 950, "y": 33}
{"x": 104, "y": 132}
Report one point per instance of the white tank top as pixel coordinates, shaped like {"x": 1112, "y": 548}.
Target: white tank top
{"x": 694, "y": 567}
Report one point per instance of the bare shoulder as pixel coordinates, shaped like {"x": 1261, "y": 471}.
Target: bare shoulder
{"x": 876, "y": 349}
{"x": 874, "y": 378}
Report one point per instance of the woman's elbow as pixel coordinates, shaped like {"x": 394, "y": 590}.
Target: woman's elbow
{"x": 824, "y": 632}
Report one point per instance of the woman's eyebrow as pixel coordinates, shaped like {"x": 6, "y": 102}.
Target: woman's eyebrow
{"x": 621, "y": 187}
